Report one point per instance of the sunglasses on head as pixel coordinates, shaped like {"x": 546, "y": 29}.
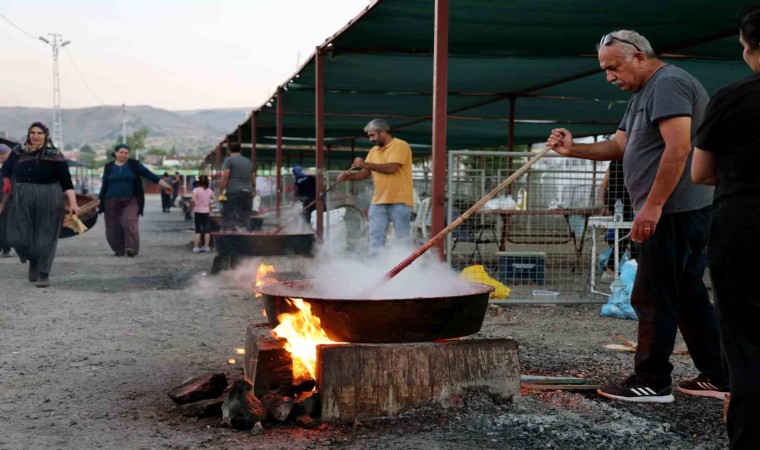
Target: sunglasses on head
{"x": 608, "y": 38}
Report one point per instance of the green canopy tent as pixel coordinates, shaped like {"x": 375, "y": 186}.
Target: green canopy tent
{"x": 515, "y": 70}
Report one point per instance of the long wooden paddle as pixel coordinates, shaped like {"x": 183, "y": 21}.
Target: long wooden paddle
{"x": 442, "y": 234}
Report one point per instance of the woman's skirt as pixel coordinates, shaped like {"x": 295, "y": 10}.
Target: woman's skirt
{"x": 35, "y": 216}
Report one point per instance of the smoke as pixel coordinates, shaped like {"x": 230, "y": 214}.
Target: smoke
{"x": 355, "y": 276}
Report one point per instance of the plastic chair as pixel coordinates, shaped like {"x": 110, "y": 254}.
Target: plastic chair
{"x": 421, "y": 224}
{"x": 473, "y": 231}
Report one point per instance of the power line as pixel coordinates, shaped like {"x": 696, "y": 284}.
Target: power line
{"x": 71, "y": 60}
{"x": 18, "y": 28}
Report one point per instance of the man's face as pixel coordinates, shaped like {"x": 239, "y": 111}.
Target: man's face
{"x": 377, "y": 137}
{"x": 624, "y": 73}
{"x": 3, "y": 157}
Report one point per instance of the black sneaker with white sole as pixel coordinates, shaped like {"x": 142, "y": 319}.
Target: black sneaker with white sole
{"x": 704, "y": 387}
{"x": 634, "y": 390}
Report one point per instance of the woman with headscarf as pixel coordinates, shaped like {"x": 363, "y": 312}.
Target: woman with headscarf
{"x": 34, "y": 176}
{"x": 122, "y": 199}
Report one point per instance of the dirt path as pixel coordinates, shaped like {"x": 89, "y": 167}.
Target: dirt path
{"x": 87, "y": 363}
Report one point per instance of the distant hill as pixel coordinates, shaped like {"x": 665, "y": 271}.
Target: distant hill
{"x": 189, "y": 132}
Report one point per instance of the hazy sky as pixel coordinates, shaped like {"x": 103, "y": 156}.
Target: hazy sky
{"x": 173, "y": 54}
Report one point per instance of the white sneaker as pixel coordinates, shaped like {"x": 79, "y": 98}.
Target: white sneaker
{"x": 196, "y": 249}
{"x": 206, "y": 249}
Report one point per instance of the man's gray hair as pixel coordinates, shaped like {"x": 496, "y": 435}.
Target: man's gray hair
{"x": 634, "y": 38}
{"x": 377, "y": 125}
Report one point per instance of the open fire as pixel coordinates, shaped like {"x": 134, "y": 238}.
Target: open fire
{"x": 302, "y": 330}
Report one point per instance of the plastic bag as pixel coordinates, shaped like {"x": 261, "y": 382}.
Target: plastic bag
{"x": 619, "y": 304}
{"x": 478, "y": 274}
{"x": 501, "y": 202}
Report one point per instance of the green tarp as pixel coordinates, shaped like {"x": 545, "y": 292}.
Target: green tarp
{"x": 382, "y": 66}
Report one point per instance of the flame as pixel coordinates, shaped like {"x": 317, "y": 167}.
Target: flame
{"x": 264, "y": 275}
{"x": 303, "y": 332}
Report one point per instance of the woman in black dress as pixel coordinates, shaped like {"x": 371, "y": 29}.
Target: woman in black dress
{"x": 36, "y": 176}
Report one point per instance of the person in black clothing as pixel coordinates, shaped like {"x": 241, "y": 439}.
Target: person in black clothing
{"x": 34, "y": 176}
{"x": 5, "y": 247}
{"x": 122, "y": 199}
{"x": 166, "y": 197}
{"x": 176, "y": 183}
{"x": 727, "y": 155}
{"x": 305, "y": 191}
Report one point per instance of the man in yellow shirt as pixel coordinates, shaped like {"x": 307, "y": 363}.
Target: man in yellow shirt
{"x": 389, "y": 163}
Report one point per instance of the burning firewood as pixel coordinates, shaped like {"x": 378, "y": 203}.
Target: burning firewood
{"x": 241, "y": 409}
{"x": 307, "y": 403}
{"x": 278, "y": 406}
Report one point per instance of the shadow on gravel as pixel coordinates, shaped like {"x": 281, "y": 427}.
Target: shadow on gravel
{"x": 167, "y": 282}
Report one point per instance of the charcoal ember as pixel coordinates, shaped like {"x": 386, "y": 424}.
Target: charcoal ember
{"x": 303, "y": 386}
{"x": 200, "y": 387}
{"x": 203, "y": 408}
{"x": 241, "y": 409}
{"x": 305, "y": 421}
{"x": 278, "y": 406}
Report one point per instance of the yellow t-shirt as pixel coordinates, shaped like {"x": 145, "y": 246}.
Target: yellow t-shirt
{"x": 395, "y": 187}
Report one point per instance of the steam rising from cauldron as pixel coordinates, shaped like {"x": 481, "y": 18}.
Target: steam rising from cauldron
{"x": 356, "y": 276}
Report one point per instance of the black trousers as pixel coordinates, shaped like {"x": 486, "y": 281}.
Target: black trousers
{"x": 236, "y": 211}
{"x": 669, "y": 294}
{"x": 166, "y": 201}
{"x": 738, "y": 309}
{"x": 4, "y": 245}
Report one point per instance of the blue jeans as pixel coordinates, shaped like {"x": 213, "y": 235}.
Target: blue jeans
{"x": 381, "y": 216}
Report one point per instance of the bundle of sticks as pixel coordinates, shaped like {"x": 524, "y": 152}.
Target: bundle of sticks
{"x": 72, "y": 221}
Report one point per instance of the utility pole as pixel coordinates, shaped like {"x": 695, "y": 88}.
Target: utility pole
{"x": 123, "y": 123}
{"x": 57, "y": 43}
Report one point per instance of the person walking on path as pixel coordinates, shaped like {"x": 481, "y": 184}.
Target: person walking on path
{"x": 671, "y": 217}
{"x": 176, "y": 183}
{"x": 727, "y": 155}
{"x": 305, "y": 191}
{"x": 202, "y": 196}
{"x": 36, "y": 176}
{"x": 5, "y": 247}
{"x": 236, "y": 186}
{"x": 166, "y": 196}
{"x": 389, "y": 163}
{"x": 122, "y": 199}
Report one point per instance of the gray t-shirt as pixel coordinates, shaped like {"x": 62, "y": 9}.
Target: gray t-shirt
{"x": 241, "y": 170}
{"x": 670, "y": 92}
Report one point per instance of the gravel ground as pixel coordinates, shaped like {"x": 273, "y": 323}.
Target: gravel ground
{"x": 87, "y": 363}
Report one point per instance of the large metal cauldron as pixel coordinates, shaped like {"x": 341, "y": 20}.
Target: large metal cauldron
{"x": 262, "y": 243}
{"x": 382, "y": 321}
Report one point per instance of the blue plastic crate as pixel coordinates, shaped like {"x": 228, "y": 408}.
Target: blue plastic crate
{"x": 522, "y": 267}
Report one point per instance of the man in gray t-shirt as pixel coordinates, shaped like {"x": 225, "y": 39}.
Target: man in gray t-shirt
{"x": 237, "y": 186}
{"x": 671, "y": 217}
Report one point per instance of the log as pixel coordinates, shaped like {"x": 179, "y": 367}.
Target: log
{"x": 267, "y": 363}
{"x": 357, "y": 381}
{"x": 199, "y": 387}
{"x": 278, "y": 406}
